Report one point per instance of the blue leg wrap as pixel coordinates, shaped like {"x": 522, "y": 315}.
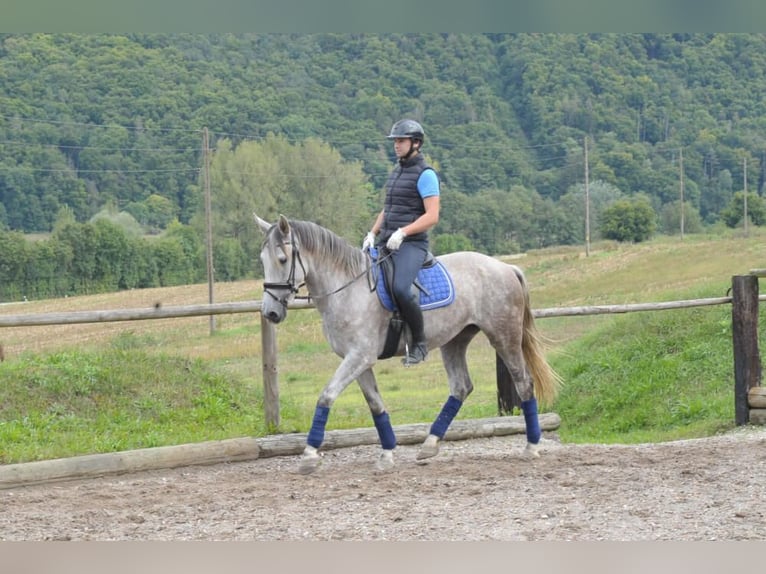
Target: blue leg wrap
{"x": 448, "y": 412}
{"x": 385, "y": 430}
{"x": 529, "y": 408}
{"x": 316, "y": 434}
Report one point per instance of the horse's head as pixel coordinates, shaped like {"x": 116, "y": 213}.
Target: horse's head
{"x": 284, "y": 272}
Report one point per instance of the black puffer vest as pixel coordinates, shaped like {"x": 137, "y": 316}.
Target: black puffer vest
{"x": 403, "y": 203}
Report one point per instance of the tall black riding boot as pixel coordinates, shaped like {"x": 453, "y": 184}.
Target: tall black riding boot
{"x": 413, "y": 316}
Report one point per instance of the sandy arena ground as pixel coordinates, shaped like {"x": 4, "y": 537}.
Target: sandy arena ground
{"x": 481, "y": 489}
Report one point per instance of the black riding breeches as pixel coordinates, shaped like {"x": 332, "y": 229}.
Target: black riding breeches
{"x": 407, "y": 263}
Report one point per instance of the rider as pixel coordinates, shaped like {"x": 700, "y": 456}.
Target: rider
{"x": 411, "y": 208}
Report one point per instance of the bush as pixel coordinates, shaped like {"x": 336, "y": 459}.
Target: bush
{"x": 629, "y": 220}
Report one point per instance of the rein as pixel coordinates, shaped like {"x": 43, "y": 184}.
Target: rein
{"x": 290, "y": 285}
{"x": 367, "y": 271}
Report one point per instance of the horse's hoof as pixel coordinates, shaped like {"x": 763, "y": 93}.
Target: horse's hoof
{"x": 309, "y": 465}
{"x": 310, "y": 461}
{"x": 532, "y": 451}
{"x": 385, "y": 462}
{"x": 429, "y": 448}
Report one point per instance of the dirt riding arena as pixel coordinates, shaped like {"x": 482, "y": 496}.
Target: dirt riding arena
{"x": 479, "y": 489}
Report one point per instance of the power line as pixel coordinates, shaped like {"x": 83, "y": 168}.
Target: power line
{"x": 90, "y": 147}
{"x": 536, "y": 162}
{"x": 79, "y": 171}
{"x": 254, "y": 137}
{"x": 95, "y": 125}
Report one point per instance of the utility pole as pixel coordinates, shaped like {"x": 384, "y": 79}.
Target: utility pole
{"x": 744, "y": 171}
{"x": 681, "y": 169}
{"x": 587, "y": 200}
{"x": 208, "y": 225}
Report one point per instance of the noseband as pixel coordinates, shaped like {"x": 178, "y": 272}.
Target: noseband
{"x": 289, "y": 284}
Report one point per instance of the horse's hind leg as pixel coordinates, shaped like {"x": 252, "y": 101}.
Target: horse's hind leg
{"x": 381, "y": 419}
{"x": 519, "y": 374}
{"x": 454, "y": 358}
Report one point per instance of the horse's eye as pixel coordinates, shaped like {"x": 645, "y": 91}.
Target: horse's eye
{"x": 282, "y": 257}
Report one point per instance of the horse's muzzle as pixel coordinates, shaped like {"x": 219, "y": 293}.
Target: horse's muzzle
{"x": 274, "y": 315}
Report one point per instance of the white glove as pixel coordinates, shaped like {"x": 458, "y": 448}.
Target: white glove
{"x": 395, "y": 241}
{"x": 369, "y": 241}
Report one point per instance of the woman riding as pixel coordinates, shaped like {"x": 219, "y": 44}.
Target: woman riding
{"x": 410, "y": 210}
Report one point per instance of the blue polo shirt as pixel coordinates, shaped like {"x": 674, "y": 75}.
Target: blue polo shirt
{"x": 428, "y": 184}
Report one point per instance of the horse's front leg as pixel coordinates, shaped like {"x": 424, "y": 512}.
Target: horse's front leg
{"x": 381, "y": 419}
{"x": 350, "y": 368}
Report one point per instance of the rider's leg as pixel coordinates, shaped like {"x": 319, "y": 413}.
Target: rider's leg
{"x": 407, "y": 263}
{"x": 413, "y": 316}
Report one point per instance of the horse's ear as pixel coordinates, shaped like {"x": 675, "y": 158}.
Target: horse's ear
{"x": 262, "y": 223}
{"x": 284, "y": 225}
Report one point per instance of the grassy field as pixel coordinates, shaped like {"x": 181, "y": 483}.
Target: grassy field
{"x": 650, "y": 376}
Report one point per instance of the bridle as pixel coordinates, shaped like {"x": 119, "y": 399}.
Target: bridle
{"x": 288, "y": 285}
{"x": 291, "y": 287}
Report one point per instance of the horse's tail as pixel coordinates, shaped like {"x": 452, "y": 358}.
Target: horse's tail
{"x": 546, "y": 381}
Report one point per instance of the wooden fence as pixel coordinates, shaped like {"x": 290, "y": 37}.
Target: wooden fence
{"x": 749, "y": 398}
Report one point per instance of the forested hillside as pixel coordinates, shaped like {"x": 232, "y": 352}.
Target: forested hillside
{"x": 112, "y": 124}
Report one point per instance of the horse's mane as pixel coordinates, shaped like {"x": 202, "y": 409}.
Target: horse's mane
{"x": 333, "y": 249}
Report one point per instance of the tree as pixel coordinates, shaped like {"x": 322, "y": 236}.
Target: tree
{"x": 82, "y": 240}
{"x": 449, "y": 243}
{"x": 734, "y": 213}
{"x": 172, "y": 265}
{"x": 47, "y": 272}
{"x": 716, "y": 195}
{"x": 628, "y": 220}
{"x": 123, "y": 219}
{"x": 93, "y": 118}
{"x": 670, "y": 218}
{"x": 308, "y": 180}
{"x": 192, "y": 246}
{"x": 115, "y": 257}
{"x": 601, "y": 194}
{"x": 230, "y": 260}
{"x": 13, "y": 260}
{"x": 160, "y": 211}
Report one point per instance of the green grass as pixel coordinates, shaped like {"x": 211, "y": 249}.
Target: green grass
{"x": 82, "y": 402}
{"x": 649, "y": 376}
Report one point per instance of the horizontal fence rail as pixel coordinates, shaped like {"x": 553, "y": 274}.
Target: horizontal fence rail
{"x": 140, "y": 314}
{"x": 160, "y": 312}
{"x": 630, "y": 308}
{"x": 746, "y": 377}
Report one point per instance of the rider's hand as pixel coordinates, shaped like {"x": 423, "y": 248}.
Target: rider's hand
{"x": 395, "y": 241}
{"x": 369, "y": 241}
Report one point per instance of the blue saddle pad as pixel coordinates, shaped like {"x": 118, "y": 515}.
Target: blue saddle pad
{"x": 435, "y": 279}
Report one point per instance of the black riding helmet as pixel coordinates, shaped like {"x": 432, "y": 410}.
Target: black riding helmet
{"x": 407, "y": 129}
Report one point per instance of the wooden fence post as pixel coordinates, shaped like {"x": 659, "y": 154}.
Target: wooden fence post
{"x": 270, "y": 379}
{"x": 747, "y": 360}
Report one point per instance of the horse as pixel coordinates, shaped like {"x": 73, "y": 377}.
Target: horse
{"x": 490, "y": 296}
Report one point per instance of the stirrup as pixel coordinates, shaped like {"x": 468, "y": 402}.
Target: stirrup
{"x": 416, "y": 355}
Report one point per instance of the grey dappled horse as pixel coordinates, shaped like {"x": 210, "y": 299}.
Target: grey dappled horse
{"x": 490, "y": 296}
